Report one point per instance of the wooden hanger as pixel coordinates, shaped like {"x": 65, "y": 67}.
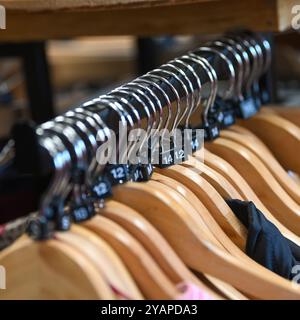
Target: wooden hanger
{"x": 205, "y": 221}
{"x": 216, "y": 230}
{"x": 222, "y": 186}
{"x": 153, "y": 242}
{"x": 212, "y": 200}
{"x": 34, "y": 270}
{"x": 149, "y": 237}
{"x": 261, "y": 180}
{"x": 216, "y": 234}
{"x": 152, "y": 281}
{"x": 291, "y": 114}
{"x": 116, "y": 261}
{"x": 250, "y": 135}
{"x": 198, "y": 253}
{"x": 183, "y": 199}
{"x": 104, "y": 258}
{"x": 224, "y": 288}
{"x": 208, "y": 221}
{"x": 288, "y": 184}
{"x": 230, "y": 173}
{"x": 241, "y": 130}
{"x": 281, "y": 136}
{"x": 244, "y": 131}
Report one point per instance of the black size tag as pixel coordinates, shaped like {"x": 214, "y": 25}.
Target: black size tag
{"x": 102, "y": 188}
{"x": 117, "y": 173}
{"x": 40, "y": 228}
{"x": 246, "y": 108}
{"x": 142, "y": 172}
{"x": 61, "y": 217}
{"x": 146, "y": 171}
{"x": 63, "y": 222}
{"x": 215, "y": 113}
{"x": 82, "y": 211}
{"x": 222, "y": 113}
{"x": 133, "y": 171}
{"x": 195, "y": 138}
{"x": 53, "y": 218}
{"x": 171, "y": 156}
{"x": 229, "y": 118}
{"x": 211, "y": 131}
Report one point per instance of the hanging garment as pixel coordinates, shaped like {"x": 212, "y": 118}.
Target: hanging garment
{"x": 190, "y": 291}
{"x": 265, "y": 244}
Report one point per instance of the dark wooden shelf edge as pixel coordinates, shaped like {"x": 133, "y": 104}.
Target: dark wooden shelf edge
{"x": 194, "y": 18}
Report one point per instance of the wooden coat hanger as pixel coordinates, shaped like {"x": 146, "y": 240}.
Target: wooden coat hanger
{"x": 288, "y": 184}
{"x": 261, "y": 180}
{"x": 212, "y": 200}
{"x": 153, "y": 242}
{"x": 100, "y": 254}
{"x": 281, "y": 136}
{"x": 202, "y": 218}
{"x": 250, "y": 135}
{"x": 197, "y": 252}
{"x": 224, "y": 288}
{"x": 116, "y": 262}
{"x": 152, "y": 281}
{"x": 225, "y": 241}
{"x": 223, "y": 187}
{"x": 217, "y": 235}
{"x": 291, "y": 114}
{"x": 209, "y": 226}
{"x": 247, "y": 193}
{"x": 168, "y": 186}
{"x": 36, "y": 269}
{"x": 242, "y": 130}
{"x": 183, "y": 198}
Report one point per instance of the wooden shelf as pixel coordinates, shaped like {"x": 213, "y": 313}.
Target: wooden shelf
{"x": 47, "y": 19}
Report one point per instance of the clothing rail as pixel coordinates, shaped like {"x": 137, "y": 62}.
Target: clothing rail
{"x": 235, "y": 65}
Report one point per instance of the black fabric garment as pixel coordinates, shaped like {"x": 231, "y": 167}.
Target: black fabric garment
{"x": 265, "y": 244}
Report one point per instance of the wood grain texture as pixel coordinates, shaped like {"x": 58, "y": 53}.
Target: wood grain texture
{"x": 38, "y": 5}
{"x": 37, "y": 19}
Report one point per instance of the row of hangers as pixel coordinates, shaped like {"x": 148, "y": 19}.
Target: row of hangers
{"x": 148, "y": 229}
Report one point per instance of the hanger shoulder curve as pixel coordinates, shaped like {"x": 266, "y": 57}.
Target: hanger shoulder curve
{"x": 153, "y": 242}
{"x": 214, "y": 229}
{"x": 100, "y": 257}
{"x": 149, "y": 237}
{"x": 116, "y": 264}
{"x": 289, "y": 185}
{"x": 200, "y": 254}
{"x": 230, "y": 173}
{"x": 291, "y": 114}
{"x": 224, "y": 187}
{"x": 208, "y": 223}
{"x": 280, "y": 135}
{"x": 43, "y": 265}
{"x": 212, "y": 201}
{"x": 153, "y": 283}
{"x": 261, "y": 180}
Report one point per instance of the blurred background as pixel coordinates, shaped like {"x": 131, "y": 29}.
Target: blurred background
{"x": 86, "y": 67}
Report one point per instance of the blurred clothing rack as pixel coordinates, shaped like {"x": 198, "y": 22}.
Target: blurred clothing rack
{"x": 47, "y": 20}
{"x": 31, "y": 167}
